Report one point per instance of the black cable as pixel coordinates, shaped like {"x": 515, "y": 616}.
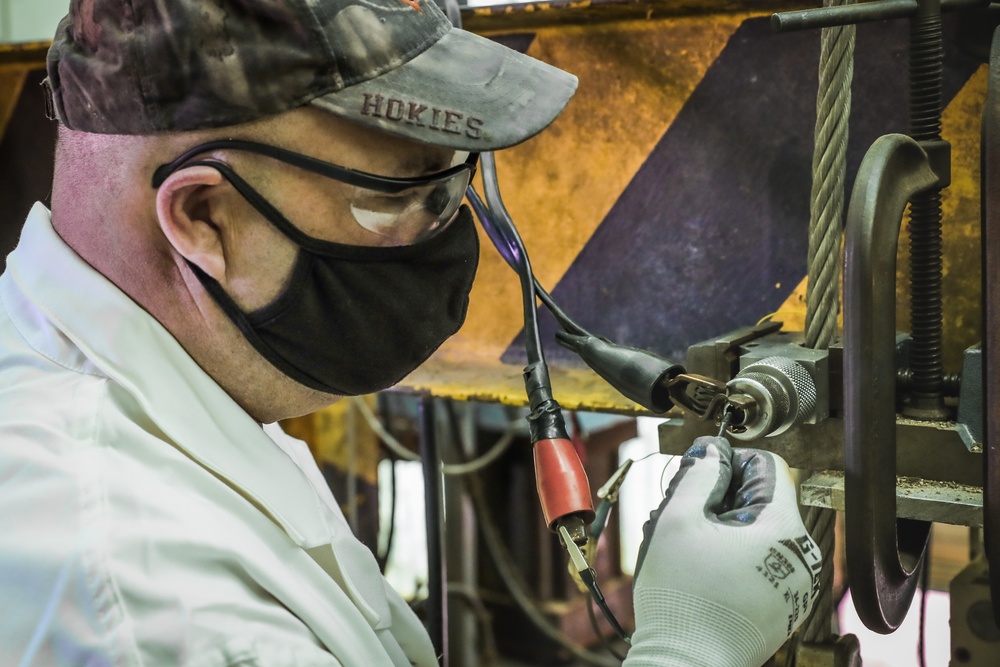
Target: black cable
{"x": 515, "y": 249}
{"x": 565, "y": 321}
{"x": 597, "y": 630}
{"x": 925, "y": 585}
{"x": 637, "y": 374}
{"x": 588, "y": 578}
{"x": 507, "y": 248}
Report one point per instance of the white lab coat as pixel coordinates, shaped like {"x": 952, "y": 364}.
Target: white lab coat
{"x": 145, "y": 519}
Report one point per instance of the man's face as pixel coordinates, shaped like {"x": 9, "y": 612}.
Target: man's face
{"x": 260, "y": 259}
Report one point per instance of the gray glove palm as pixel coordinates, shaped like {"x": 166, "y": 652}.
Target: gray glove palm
{"x": 726, "y": 571}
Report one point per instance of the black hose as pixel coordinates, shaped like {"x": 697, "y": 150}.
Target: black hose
{"x": 925, "y": 586}
{"x": 504, "y": 245}
{"x": 515, "y": 249}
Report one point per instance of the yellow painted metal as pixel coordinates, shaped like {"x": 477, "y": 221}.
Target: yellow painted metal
{"x": 961, "y": 123}
{"x": 11, "y": 82}
{"x": 637, "y": 65}
{"x": 16, "y": 60}
{"x": 635, "y": 76}
{"x": 960, "y": 235}
{"x": 339, "y": 437}
{"x": 532, "y": 15}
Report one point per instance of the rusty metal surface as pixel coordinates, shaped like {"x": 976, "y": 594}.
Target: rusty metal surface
{"x": 638, "y": 76}
{"x": 25, "y": 54}
{"x": 560, "y": 185}
{"x": 975, "y": 636}
{"x": 471, "y": 376}
{"x": 528, "y": 15}
{"x": 570, "y": 186}
{"x": 16, "y": 61}
{"x": 933, "y": 451}
{"x": 991, "y": 318}
{"x": 919, "y": 499}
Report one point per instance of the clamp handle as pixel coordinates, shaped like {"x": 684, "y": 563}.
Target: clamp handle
{"x": 894, "y": 170}
{"x": 862, "y": 12}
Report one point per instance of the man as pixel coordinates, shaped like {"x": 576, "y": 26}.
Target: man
{"x": 255, "y": 210}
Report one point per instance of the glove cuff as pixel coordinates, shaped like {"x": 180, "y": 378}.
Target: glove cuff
{"x": 671, "y": 631}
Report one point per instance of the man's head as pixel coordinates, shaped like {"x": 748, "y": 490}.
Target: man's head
{"x": 331, "y": 265}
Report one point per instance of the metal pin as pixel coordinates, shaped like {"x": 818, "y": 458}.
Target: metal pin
{"x": 727, "y": 417}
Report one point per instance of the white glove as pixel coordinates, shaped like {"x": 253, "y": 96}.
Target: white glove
{"x": 726, "y": 571}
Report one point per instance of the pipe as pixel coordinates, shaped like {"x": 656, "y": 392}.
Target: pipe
{"x": 437, "y": 576}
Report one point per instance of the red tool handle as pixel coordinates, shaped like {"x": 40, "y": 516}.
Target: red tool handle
{"x": 562, "y": 484}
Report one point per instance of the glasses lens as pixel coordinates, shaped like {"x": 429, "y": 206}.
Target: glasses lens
{"x": 415, "y": 214}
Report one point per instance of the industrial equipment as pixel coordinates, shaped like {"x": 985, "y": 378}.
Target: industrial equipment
{"x": 672, "y": 237}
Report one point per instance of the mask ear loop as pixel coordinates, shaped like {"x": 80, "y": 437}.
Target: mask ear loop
{"x": 266, "y": 208}
{"x": 240, "y": 319}
{"x": 242, "y": 322}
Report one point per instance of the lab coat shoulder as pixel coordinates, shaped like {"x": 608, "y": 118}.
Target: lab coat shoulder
{"x": 145, "y": 518}
{"x": 115, "y": 548}
{"x": 49, "y": 583}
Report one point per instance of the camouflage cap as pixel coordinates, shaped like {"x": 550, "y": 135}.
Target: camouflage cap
{"x": 149, "y": 67}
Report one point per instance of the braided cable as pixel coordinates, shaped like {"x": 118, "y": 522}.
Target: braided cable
{"x": 818, "y": 628}
{"x": 826, "y": 215}
{"x": 833, "y": 109}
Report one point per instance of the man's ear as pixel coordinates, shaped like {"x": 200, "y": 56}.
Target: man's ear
{"x": 187, "y": 205}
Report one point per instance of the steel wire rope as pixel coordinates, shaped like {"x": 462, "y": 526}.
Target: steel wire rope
{"x": 826, "y": 221}
{"x": 464, "y": 468}
{"x": 821, "y": 524}
{"x": 826, "y": 215}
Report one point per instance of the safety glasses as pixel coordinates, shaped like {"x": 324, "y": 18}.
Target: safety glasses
{"x": 401, "y": 210}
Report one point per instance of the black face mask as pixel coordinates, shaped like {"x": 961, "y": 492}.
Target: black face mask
{"x": 357, "y": 319}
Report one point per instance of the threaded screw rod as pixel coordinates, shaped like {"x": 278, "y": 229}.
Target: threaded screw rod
{"x": 926, "y": 397}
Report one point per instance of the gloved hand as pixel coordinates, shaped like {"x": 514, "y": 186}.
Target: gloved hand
{"x": 726, "y": 571}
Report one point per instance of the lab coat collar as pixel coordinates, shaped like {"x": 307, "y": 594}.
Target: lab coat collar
{"x": 136, "y": 351}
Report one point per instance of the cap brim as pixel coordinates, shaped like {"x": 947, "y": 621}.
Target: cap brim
{"x": 464, "y": 92}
